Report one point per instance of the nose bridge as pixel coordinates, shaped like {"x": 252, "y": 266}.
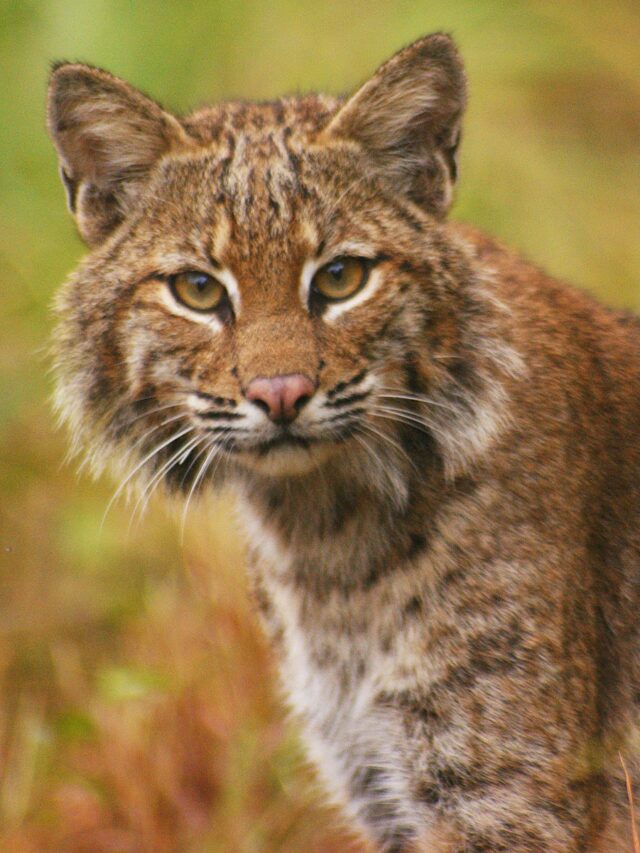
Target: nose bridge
{"x": 276, "y": 344}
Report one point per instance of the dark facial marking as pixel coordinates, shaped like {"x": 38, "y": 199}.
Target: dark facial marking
{"x": 217, "y": 401}
{"x": 220, "y": 416}
{"x": 347, "y": 383}
{"x": 346, "y": 401}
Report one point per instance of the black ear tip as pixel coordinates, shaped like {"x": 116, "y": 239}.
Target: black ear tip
{"x": 62, "y": 80}
{"x": 66, "y": 73}
{"x": 57, "y": 70}
{"x": 63, "y": 74}
{"x": 434, "y": 52}
{"x": 440, "y": 50}
{"x": 63, "y": 67}
{"x": 441, "y": 37}
{"x": 441, "y": 47}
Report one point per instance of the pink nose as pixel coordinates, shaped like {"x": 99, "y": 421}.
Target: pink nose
{"x": 281, "y": 397}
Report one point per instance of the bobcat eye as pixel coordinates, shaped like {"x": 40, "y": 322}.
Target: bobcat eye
{"x": 197, "y": 291}
{"x": 340, "y": 278}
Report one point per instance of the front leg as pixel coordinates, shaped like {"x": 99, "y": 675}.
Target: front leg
{"x": 483, "y": 762}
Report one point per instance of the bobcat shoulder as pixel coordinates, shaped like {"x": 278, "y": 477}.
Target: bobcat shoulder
{"x": 434, "y": 445}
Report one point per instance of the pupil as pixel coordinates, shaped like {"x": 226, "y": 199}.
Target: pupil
{"x": 200, "y": 283}
{"x": 336, "y": 270}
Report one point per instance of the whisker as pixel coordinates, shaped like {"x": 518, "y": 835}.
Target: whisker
{"x": 402, "y": 416}
{"x": 416, "y": 398}
{"x": 208, "y": 444}
{"x": 201, "y": 438}
{"x": 212, "y": 447}
{"x": 151, "y": 412}
{"x": 382, "y": 435}
{"x": 145, "y": 435}
{"x": 405, "y": 414}
{"x": 362, "y": 441}
{"x": 149, "y": 432}
{"x": 140, "y": 464}
{"x": 343, "y": 417}
{"x": 387, "y": 481}
{"x": 143, "y": 501}
{"x": 223, "y": 453}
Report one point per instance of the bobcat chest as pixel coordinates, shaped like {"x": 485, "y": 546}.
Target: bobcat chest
{"x": 337, "y": 656}
{"x": 323, "y": 656}
{"x": 332, "y": 678}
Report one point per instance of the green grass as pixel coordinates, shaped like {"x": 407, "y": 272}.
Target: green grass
{"x": 138, "y": 707}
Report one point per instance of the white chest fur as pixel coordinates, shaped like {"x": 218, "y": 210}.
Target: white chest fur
{"x": 332, "y": 678}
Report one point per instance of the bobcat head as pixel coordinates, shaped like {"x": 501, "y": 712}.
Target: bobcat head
{"x": 271, "y": 287}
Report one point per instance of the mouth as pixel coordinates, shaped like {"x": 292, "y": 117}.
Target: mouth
{"x": 287, "y": 455}
{"x": 285, "y": 441}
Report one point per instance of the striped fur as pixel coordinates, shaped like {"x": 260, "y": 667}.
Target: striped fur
{"x": 444, "y": 543}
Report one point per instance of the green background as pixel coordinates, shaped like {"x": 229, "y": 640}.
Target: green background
{"x": 138, "y": 711}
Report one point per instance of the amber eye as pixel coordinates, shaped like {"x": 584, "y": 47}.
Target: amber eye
{"x": 198, "y": 291}
{"x": 341, "y": 278}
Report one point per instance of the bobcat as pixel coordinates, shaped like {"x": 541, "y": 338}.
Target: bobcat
{"x": 434, "y": 445}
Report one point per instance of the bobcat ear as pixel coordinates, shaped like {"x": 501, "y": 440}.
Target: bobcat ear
{"x": 407, "y": 116}
{"x": 108, "y": 137}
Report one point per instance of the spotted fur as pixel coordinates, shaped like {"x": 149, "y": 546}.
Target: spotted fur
{"x": 444, "y": 542}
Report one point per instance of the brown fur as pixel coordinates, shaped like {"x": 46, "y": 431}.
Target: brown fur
{"x": 445, "y": 542}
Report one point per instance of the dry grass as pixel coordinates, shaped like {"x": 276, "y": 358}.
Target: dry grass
{"x": 177, "y": 742}
{"x": 138, "y": 709}
{"x": 632, "y": 809}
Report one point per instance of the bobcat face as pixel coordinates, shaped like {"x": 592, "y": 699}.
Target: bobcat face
{"x": 264, "y": 277}
{"x": 278, "y": 373}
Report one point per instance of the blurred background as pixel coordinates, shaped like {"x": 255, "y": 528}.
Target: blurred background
{"x": 138, "y": 707}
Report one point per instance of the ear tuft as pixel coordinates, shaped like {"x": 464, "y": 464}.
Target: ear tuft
{"x": 407, "y": 117}
{"x": 108, "y": 137}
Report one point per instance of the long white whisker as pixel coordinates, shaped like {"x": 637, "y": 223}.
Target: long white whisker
{"x": 143, "y": 501}
{"x": 382, "y": 435}
{"x": 141, "y": 439}
{"x": 202, "y": 438}
{"x": 155, "y": 428}
{"x": 417, "y": 398}
{"x": 213, "y": 447}
{"x": 402, "y": 416}
{"x": 221, "y": 455}
{"x": 405, "y": 414}
{"x": 362, "y": 441}
{"x": 140, "y": 464}
{"x": 428, "y": 401}
{"x": 151, "y": 412}
{"x": 388, "y": 480}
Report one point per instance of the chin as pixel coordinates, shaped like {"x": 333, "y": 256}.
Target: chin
{"x": 287, "y": 461}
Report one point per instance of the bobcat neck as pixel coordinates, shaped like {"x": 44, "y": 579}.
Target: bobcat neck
{"x": 338, "y": 528}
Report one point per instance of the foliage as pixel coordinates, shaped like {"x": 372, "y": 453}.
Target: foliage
{"x": 138, "y": 711}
